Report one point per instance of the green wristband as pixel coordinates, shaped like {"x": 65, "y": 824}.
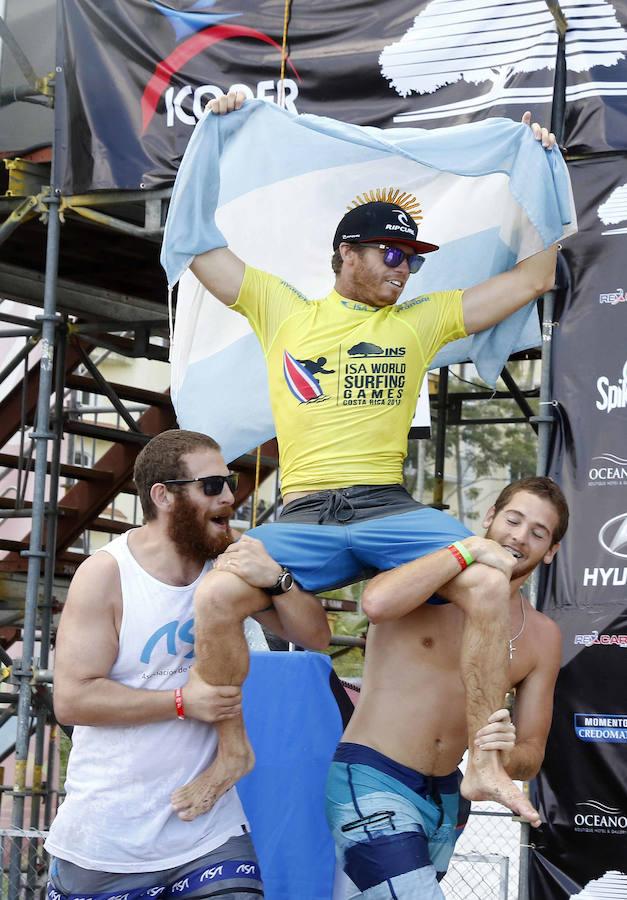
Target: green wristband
{"x": 465, "y": 552}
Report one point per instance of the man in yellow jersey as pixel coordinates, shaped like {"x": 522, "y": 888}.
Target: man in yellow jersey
{"x": 344, "y": 375}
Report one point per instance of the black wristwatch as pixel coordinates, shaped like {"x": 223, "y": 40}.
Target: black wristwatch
{"x": 284, "y": 583}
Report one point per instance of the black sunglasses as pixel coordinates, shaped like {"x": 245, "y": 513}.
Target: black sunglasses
{"x": 394, "y": 256}
{"x": 212, "y": 485}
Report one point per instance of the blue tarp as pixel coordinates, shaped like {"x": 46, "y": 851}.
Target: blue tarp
{"x": 294, "y": 725}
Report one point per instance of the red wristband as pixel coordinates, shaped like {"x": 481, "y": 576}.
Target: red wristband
{"x": 460, "y": 559}
{"x": 178, "y": 702}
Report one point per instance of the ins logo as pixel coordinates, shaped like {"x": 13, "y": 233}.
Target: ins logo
{"x": 196, "y": 30}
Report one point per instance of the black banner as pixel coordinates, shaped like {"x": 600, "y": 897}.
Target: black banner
{"x": 137, "y": 74}
{"x": 582, "y": 789}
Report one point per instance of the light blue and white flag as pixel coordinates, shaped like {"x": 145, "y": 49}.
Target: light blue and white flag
{"x": 273, "y": 186}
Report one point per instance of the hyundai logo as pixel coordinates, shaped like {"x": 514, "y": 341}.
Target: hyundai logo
{"x": 613, "y": 536}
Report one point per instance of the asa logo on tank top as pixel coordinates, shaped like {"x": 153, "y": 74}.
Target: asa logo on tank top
{"x": 168, "y": 638}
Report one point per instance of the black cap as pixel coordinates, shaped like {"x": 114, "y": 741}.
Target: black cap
{"x": 379, "y": 221}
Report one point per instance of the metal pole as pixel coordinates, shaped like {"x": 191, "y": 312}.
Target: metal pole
{"x": 518, "y": 396}
{"x": 17, "y": 332}
{"x": 18, "y": 358}
{"x": 46, "y": 608}
{"x": 51, "y": 777}
{"x": 20, "y": 463}
{"x": 545, "y": 420}
{"x": 421, "y": 453}
{"x": 41, "y": 436}
{"x": 3, "y": 10}
{"x": 440, "y": 440}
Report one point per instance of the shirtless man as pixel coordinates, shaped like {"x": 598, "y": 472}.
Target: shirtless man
{"x": 392, "y": 796}
{"x": 346, "y": 513}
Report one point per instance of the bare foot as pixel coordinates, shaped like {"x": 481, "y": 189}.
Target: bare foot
{"x": 496, "y": 785}
{"x": 205, "y": 790}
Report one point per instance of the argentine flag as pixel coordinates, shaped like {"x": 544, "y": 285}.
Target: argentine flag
{"x": 273, "y": 186}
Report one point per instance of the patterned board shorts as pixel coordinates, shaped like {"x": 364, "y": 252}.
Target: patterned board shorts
{"x": 394, "y": 828}
{"x": 230, "y": 872}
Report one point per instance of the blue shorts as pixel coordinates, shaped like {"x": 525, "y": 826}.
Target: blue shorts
{"x": 357, "y": 533}
{"x": 229, "y": 871}
{"x": 394, "y": 828}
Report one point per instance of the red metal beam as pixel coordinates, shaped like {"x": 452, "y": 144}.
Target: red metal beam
{"x": 11, "y": 406}
{"x": 91, "y": 498}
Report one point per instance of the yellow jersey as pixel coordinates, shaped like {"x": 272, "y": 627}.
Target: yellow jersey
{"x": 344, "y": 377}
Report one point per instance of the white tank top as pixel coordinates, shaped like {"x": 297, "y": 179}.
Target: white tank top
{"x": 117, "y": 815}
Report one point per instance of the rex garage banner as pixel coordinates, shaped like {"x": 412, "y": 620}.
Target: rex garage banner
{"x": 137, "y": 74}
{"x": 582, "y": 789}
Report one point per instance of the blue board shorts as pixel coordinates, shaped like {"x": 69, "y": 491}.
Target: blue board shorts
{"x": 230, "y": 872}
{"x": 394, "y": 829}
{"x": 332, "y": 538}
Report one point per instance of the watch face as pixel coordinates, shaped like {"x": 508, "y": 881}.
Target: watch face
{"x": 286, "y": 581}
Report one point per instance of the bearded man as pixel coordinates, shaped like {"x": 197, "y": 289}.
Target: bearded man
{"x": 124, "y": 676}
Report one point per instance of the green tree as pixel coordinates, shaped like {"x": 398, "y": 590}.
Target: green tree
{"x": 477, "y": 450}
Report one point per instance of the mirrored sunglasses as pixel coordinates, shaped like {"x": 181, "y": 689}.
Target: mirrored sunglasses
{"x": 394, "y": 256}
{"x": 212, "y": 485}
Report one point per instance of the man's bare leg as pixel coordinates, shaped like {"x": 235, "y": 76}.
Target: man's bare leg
{"x": 482, "y": 592}
{"x": 221, "y": 603}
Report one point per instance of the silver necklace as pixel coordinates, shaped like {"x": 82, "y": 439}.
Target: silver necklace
{"x": 522, "y": 627}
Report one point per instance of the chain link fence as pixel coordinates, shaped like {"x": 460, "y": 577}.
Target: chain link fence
{"x": 484, "y": 867}
{"x": 486, "y": 861}
{"x": 24, "y": 870}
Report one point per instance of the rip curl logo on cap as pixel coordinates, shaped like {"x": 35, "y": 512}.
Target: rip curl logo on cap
{"x": 404, "y": 224}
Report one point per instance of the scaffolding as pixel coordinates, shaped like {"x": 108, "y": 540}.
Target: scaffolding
{"x": 40, "y": 388}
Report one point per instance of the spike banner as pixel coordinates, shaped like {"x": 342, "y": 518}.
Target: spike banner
{"x": 137, "y": 74}
{"x": 582, "y": 789}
